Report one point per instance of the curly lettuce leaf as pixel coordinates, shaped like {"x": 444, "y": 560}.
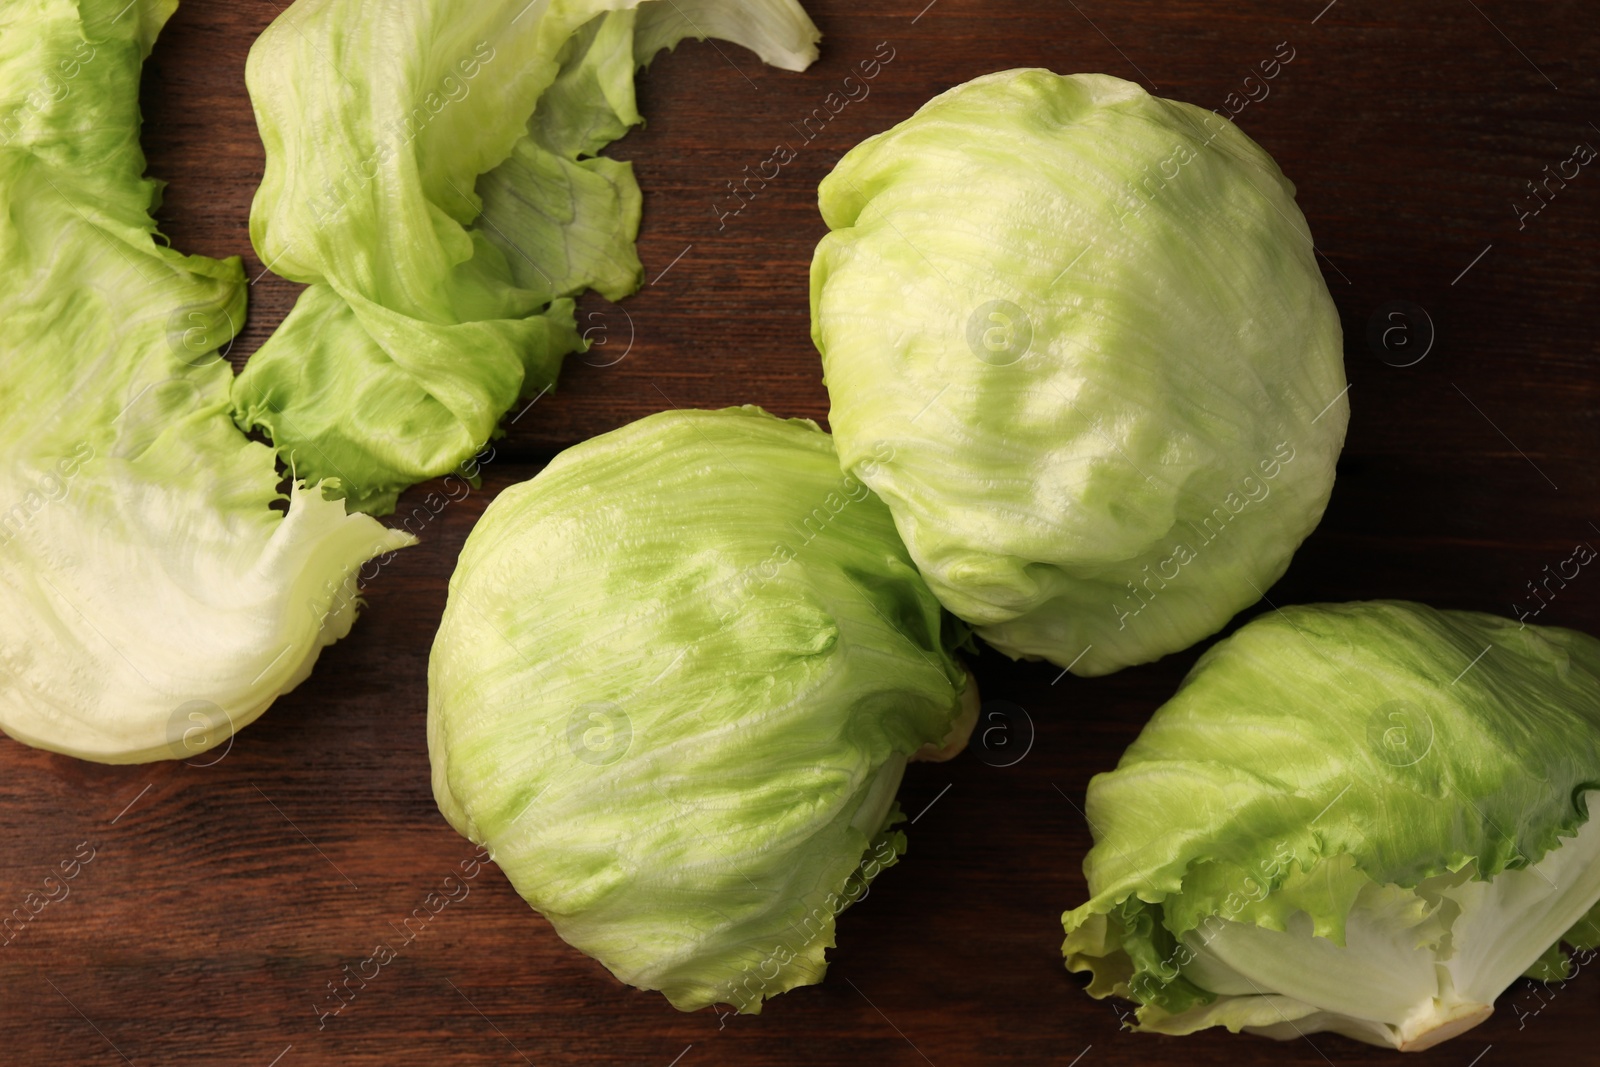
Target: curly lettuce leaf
{"x": 152, "y": 598}
{"x": 444, "y": 201}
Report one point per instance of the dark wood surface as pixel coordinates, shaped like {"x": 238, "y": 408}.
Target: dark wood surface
{"x": 222, "y": 899}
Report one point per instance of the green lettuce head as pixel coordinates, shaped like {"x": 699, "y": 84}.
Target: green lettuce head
{"x": 675, "y": 688}
{"x": 433, "y": 176}
{"x": 1089, "y": 326}
{"x": 1366, "y": 818}
{"x": 155, "y": 595}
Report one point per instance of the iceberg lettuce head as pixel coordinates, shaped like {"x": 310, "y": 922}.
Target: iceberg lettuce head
{"x": 1090, "y": 326}
{"x": 1367, "y": 818}
{"x": 677, "y": 683}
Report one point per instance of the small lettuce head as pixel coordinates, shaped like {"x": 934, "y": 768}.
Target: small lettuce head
{"x": 676, "y": 685}
{"x": 1088, "y": 327}
{"x": 1367, "y": 818}
{"x": 433, "y": 175}
{"x": 155, "y": 592}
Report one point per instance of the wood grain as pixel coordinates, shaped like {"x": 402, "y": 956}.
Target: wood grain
{"x": 222, "y": 899}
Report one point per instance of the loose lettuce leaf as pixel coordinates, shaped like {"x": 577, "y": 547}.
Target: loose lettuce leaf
{"x": 1076, "y": 337}
{"x": 677, "y": 681}
{"x": 432, "y": 175}
{"x": 1368, "y": 817}
{"x": 152, "y": 600}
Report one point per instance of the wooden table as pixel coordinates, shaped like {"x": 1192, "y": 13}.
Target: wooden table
{"x": 222, "y": 899}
